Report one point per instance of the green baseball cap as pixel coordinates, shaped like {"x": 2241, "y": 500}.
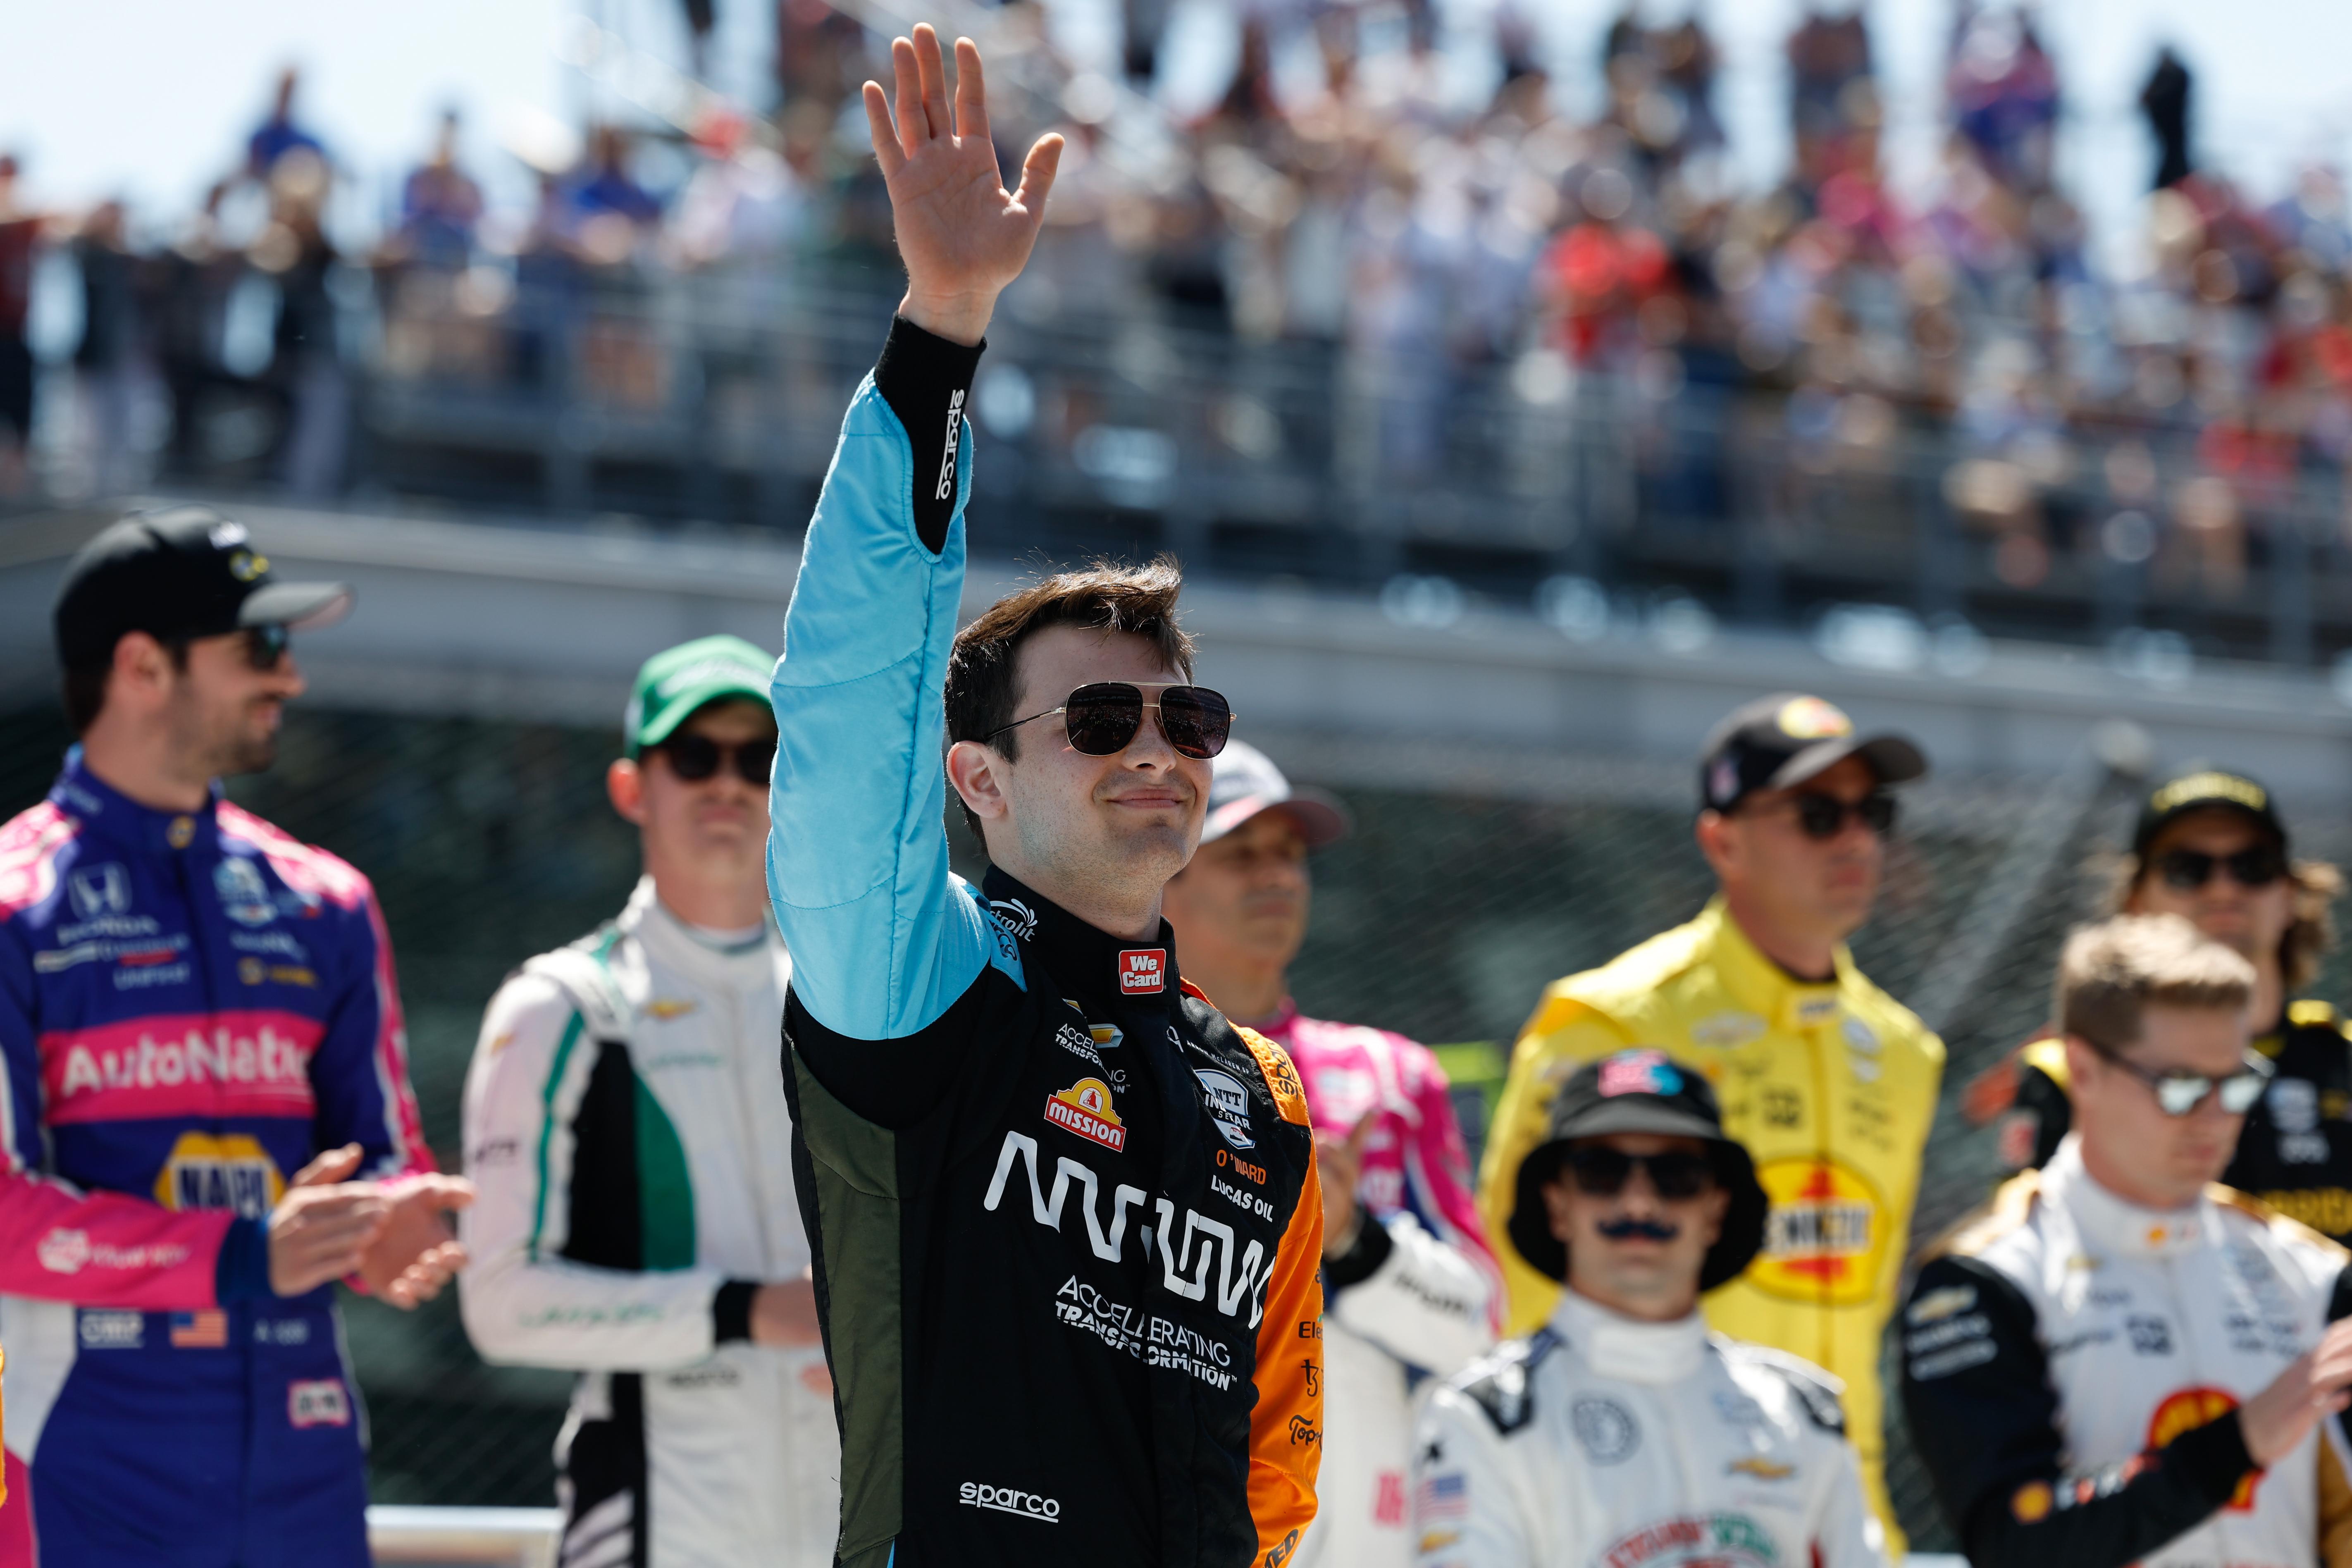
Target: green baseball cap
{"x": 676, "y": 681}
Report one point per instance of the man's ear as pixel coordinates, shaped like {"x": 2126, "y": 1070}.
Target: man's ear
{"x": 1556, "y": 1210}
{"x": 625, "y": 786}
{"x": 2081, "y": 1063}
{"x": 1718, "y": 1205}
{"x": 1718, "y": 841}
{"x": 977, "y": 772}
{"x": 142, "y": 672}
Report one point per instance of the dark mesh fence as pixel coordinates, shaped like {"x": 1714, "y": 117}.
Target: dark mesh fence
{"x": 1442, "y": 917}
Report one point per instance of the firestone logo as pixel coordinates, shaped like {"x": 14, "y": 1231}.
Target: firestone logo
{"x": 1142, "y": 971}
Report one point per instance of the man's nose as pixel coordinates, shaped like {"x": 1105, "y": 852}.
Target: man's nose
{"x": 1638, "y": 1197}
{"x": 291, "y": 681}
{"x": 1149, "y": 749}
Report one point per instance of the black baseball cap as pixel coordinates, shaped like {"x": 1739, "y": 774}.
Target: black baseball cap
{"x": 1642, "y": 1091}
{"x": 1776, "y": 741}
{"x": 183, "y": 573}
{"x": 2205, "y": 789}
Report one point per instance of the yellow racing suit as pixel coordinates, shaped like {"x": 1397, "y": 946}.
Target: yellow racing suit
{"x": 1832, "y": 1088}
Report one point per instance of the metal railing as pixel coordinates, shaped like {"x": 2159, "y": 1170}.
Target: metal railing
{"x": 409, "y": 1536}
{"x": 716, "y": 395}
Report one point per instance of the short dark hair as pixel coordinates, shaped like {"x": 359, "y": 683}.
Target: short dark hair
{"x": 983, "y": 670}
{"x": 85, "y": 688}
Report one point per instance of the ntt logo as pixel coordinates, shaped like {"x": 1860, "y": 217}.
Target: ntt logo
{"x": 1005, "y": 1500}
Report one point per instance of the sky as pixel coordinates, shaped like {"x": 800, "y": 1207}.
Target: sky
{"x": 94, "y": 115}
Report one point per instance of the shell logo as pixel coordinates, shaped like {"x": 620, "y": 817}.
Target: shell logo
{"x": 1825, "y": 1237}
{"x": 2193, "y": 1408}
{"x": 1811, "y": 719}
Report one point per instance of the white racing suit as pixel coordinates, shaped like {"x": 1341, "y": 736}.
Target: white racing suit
{"x": 1422, "y": 1305}
{"x": 1600, "y": 1442}
{"x": 2071, "y": 1368}
{"x": 626, "y": 1129}
{"x": 1413, "y": 1300}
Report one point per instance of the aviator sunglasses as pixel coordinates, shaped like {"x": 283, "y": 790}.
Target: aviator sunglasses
{"x": 1103, "y": 717}
{"x": 2190, "y": 869}
{"x": 694, "y": 758}
{"x": 2178, "y": 1092}
{"x": 1602, "y": 1172}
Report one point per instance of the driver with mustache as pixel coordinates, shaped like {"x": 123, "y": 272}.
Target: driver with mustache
{"x": 1622, "y": 1430}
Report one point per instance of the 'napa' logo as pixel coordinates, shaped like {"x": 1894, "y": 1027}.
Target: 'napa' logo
{"x": 220, "y": 1170}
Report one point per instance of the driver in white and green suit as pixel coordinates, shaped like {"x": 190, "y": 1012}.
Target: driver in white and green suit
{"x": 627, "y": 1127}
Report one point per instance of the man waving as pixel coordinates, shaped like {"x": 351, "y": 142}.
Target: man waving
{"x": 1065, "y": 1217}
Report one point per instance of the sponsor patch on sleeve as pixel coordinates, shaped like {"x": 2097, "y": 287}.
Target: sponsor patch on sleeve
{"x": 1281, "y": 1076}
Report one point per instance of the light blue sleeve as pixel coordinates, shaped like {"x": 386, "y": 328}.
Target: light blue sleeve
{"x": 883, "y": 938}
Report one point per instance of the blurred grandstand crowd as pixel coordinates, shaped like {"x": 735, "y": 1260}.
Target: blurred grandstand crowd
{"x": 1375, "y": 212}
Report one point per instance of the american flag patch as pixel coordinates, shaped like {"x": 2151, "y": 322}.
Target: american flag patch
{"x": 1442, "y": 1497}
{"x": 204, "y": 1331}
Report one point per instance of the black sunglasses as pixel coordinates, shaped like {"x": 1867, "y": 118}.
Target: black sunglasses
{"x": 266, "y": 645}
{"x": 263, "y": 646}
{"x": 1824, "y": 816}
{"x": 1602, "y": 1172}
{"x": 2190, "y": 869}
{"x": 694, "y": 758}
{"x": 1103, "y": 717}
{"x": 2177, "y": 1093}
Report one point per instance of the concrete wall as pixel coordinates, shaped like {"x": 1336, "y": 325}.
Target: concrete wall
{"x": 506, "y": 620}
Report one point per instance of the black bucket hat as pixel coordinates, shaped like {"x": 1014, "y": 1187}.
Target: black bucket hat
{"x": 1640, "y": 1091}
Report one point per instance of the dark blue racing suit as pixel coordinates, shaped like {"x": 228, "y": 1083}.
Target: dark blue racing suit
{"x": 191, "y": 1007}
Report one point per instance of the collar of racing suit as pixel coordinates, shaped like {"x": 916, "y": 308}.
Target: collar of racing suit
{"x": 1762, "y": 986}
{"x": 2108, "y": 1223}
{"x": 1619, "y": 1346}
{"x": 108, "y": 812}
{"x": 1085, "y": 957}
{"x": 666, "y": 937}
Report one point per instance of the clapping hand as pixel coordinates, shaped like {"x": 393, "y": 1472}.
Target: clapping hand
{"x": 961, "y": 234}
{"x": 414, "y": 1254}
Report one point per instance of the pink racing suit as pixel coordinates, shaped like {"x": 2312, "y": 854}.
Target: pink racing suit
{"x": 1418, "y": 1295}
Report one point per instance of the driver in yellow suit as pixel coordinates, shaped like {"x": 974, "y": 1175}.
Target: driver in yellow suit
{"x": 1829, "y": 1082}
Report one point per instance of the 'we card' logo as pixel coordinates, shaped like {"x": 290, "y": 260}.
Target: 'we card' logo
{"x": 1142, "y": 971}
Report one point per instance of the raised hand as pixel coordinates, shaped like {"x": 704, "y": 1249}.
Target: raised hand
{"x": 1340, "y": 1163}
{"x": 962, "y": 236}
{"x": 2313, "y": 1385}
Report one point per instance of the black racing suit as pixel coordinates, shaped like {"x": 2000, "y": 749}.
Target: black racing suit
{"x": 1065, "y": 1217}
